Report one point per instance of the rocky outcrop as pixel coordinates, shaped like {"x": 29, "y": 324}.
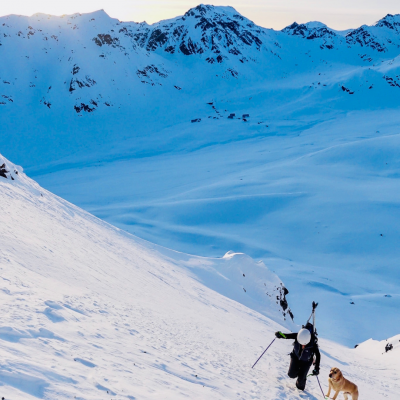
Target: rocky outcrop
{"x": 203, "y": 30}
{"x": 364, "y": 37}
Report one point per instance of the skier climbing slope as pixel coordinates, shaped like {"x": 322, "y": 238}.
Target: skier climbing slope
{"x": 304, "y": 349}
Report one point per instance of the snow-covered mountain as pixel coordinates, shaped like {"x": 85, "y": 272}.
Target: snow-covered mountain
{"x": 381, "y": 37}
{"x": 316, "y": 30}
{"x": 79, "y": 64}
{"x": 92, "y": 312}
{"x": 206, "y": 133}
{"x": 219, "y": 33}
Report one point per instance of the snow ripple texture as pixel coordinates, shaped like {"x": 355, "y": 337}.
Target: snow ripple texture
{"x": 90, "y": 312}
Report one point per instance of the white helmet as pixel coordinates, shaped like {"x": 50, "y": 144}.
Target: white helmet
{"x": 304, "y": 336}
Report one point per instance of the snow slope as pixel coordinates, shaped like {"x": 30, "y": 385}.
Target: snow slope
{"x": 90, "y": 312}
{"x": 100, "y": 112}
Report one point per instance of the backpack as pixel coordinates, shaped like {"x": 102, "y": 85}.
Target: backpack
{"x": 307, "y": 353}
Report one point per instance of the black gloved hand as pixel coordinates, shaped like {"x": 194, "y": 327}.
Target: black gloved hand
{"x": 316, "y": 371}
{"x": 278, "y": 335}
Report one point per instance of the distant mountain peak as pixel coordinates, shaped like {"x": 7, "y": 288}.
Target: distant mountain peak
{"x": 220, "y": 32}
{"x": 98, "y": 14}
{"x": 303, "y": 29}
{"x": 379, "y": 37}
{"x": 214, "y": 13}
{"x": 200, "y": 9}
{"x": 313, "y": 30}
{"x": 390, "y": 21}
{"x": 204, "y": 9}
{"x": 315, "y": 25}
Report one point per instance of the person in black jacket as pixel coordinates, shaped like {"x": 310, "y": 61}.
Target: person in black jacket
{"x": 305, "y": 347}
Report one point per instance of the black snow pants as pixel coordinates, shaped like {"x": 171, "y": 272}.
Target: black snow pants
{"x": 299, "y": 369}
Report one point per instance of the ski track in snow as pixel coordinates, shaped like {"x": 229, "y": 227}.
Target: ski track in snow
{"x": 91, "y": 312}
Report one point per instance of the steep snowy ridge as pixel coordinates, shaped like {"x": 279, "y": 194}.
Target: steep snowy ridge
{"x": 226, "y": 275}
{"x": 315, "y": 30}
{"x": 90, "y": 312}
{"x": 383, "y": 37}
{"x": 10, "y": 171}
{"x": 390, "y": 21}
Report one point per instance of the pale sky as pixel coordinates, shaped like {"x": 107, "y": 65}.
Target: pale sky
{"x": 338, "y": 14}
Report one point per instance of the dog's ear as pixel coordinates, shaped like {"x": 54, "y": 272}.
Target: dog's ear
{"x": 339, "y": 374}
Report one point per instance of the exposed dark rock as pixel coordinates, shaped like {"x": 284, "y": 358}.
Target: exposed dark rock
{"x": 345, "y": 89}
{"x": 84, "y": 107}
{"x": 157, "y": 39}
{"x": 389, "y": 22}
{"x": 363, "y": 37}
{"x": 3, "y": 171}
{"x": 76, "y": 83}
{"x": 392, "y": 81}
{"x": 106, "y": 39}
{"x": 388, "y": 347}
{"x": 215, "y": 31}
{"x": 312, "y": 33}
{"x": 8, "y": 98}
{"x": 233, "y": 72}
{"x": 151, "y": 69}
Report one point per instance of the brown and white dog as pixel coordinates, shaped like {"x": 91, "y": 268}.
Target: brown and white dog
{"x": 339, "y": 383}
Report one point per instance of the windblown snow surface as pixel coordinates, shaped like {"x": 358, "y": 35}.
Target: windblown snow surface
{"x": 91, "y": 312}
{"x": 207, "y": 134}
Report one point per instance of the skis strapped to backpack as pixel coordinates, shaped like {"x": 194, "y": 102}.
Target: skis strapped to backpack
{"x": 314, "y": 306}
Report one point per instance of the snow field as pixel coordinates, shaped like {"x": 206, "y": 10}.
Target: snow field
{"x": 317, "y": 205}
{"x": 90, "y": 312}
{"x": 308, "y": 184}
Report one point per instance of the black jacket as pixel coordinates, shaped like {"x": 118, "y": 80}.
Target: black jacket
{"x": 308, "y": 352}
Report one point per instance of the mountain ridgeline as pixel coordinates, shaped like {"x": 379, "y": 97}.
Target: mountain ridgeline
{"x": 68, "y": 62}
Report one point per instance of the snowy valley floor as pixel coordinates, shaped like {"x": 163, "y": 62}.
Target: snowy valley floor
{"x": 90, "y": 312}
{"x": 319, "y": 205}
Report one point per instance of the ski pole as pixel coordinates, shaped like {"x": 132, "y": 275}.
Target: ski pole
{"x": 263, "y": 353}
